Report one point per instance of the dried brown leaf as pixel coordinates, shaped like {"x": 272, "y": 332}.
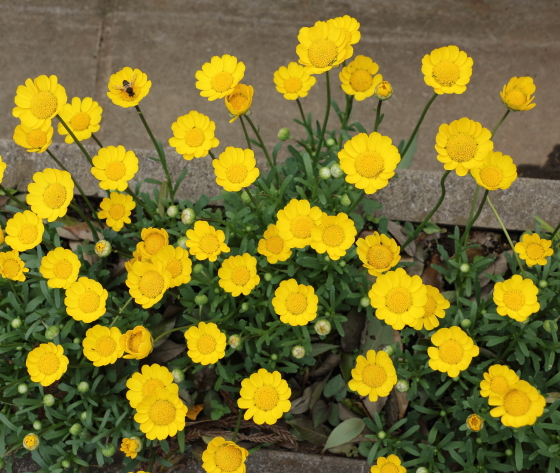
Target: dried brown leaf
{"x": 373, "y": 407}
{"x": 499, "y": 266}
{"x": 353, "y": 327}
{"x": 165, "y": 352}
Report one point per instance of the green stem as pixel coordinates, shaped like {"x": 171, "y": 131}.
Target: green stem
{"x": 96, "y": 140}
{"x": 85, "y": 219}
{"x": 76, "y": 140}
{"x": 302, "y": 144}
{"x": 12, "y": 197}
{"x": 347, "y": 112}
{"x": 308, "y": 127}
{"x": 211, "y": 154}
{"x": 169, "y": 331}
{"x": 471, "y": 213}
{"x": 418, "y": 124}
{"x": 377, "y": 116}
{"x": 133, "y": 194}
{"x": 356, "y": 202}
{"x": 15, "y": 293}
{"x": 256, "y": 131}
{"x": 121, "y": 310}
{"x": 257, "y": 210}
{"x": 237, "y": 425}
{"x": 555, "y": 232}
{"x": 499, "y": 123}
{"x": 245, "y": 132}
{"x": 472, "y": 221}
{"x": 325, "y": 121}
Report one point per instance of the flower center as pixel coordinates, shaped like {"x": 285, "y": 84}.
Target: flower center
{"x": 134, "y": 342}
{"x": 461, "y": 147}
{"x": 115, "y": 171}
{"x": 31, "y": 440}
{"x": 151, "y": 284}
{"x": 63, "y": 269}
{"x": 209, "y": 244}
{"x": 374, "y": 376}
{"x": 369, "y": 164}
{"x": 10, "y": 268}
{"x": 236, "y": 173}
{"x": 194, "y": 137}
{"x": 238, "y": 101}
{"x": 333, "y": 236}
{"x": 534, "y": 251}
{"x": 154, "y": 242}
{"x": 361, "y": 80}
{"x": 517, "y": 403}
{"x": 105, "y": 346}
{"x": 275, "y": 245}
{"x": 292, "y": 85}
{"x": 430, "y": 307}
{"x": 28, "y": 234}
{"x": 446, "y": 73}
{"x": 296, "y": 303}
{"x": 37, "y": 138}
{"x": 301, "y": 226}
{"x": 514, "y": 300}
{"x": 398, "y": 300}
{"x": 228, "y": 458}
{"x": 116, "y": 211}
{"x": 322, "y": 53}
{"x": 48, "y": 364}
{"x": 515, "y": 98}
{"x": 451, "y": 352}
{"x": 389, "y": 468}
{"x": 499, "y": 385}
{"x": 266, "y": 398}
{"x": 206, "y": 344}
{"x": 150, "y": 385}
{"x": 129, "y": 93}
{"x": 240, "y": 276}
{"x": 43, "y": 105}
{"x": 174, "y": 267}
{"x": 222, "y": 81}
{"x": 491, "y": 176}
{"x": 162, "y": 412}
{"x": 89, "y": 301}
{"x": 54, "y": 195}
{"x": 380, "y": 257}
{"x": 80, "y": 121}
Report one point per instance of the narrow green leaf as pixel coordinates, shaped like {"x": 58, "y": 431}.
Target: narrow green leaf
{"x": 345, "y": 432}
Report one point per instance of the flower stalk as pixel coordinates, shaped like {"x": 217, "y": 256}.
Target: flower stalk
{"x": 411, "y": 139}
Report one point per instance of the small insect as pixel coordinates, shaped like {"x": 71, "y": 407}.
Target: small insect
{"x": 127, "y": 86}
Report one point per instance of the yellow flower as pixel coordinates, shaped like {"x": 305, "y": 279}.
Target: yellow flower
{"x": 383, "y": 90}
{"x": 2, "y": 169}
{"x": 434, "y": 308}
{"x": 46, "y": 363}
{"x": 295, "y": 304}
{"x": 193, "y": 135}
{"x": 35, "y": 140}
{"x": 334, "y": 235}
{"x": 177, "y": 262}
{"x": 12, "y": 266}
{"x": 137, "y": 343}
{"x": 498, "y": 380}
{"x": 322, "y": 47}
{"x": 2, "y": 236}
{"x": 534, "y": 249}
{"x": 143, "y": 384}
{"x": 206, "y": 343}
{"x": 517, "y": 95}
{"x": 448, "y": 70}
{"x": 38, "y": 101}
{"x": 475, "y": 423}
{"x": 161, "y": 414}
{"x": 235, "y": 169}
{"x": 350, "y": 26}
{"x": 296, "y": 222}
{"x": 102, "y": 345}
{"x": 116, "y": 209}
{"x": 273, "y": 246}
{"x": 205, "y": 242}
{"x": 379, "y": 253}
{"x": 521, "y": 405}
{"x": 369, "y": 161}
{"x": 153, "y": 240}
{"x": 25, "y": 231}
{"x": 50, "y": 193}
{"x": 131, "y": 446}
{"x": 293, "y": 81}
{"x": 114, "y": 167}
{"x": 239, "y": 100}
{"x": 398, "y": 298}
{"x": 82, "y": 117}
{"x": 128, "y": 87}
{"x": 497, "y": 171}
{"x": 265, "y": 396}
{"x": 223, "y": 456}
{"x": 85, "y": 300}
{"x": 238, "y": 274}
{"x": 516, "y": 297}
{"x": 462, "y": 145}
{"x": 390, "y": 464}
{"x": 147, "y": 282}
{"x": 374, "y": 375}
{"x": 60, "y": 267}
{"x": 31, "y": 442}
{"x": 360, "y": 78}
{"x": 454, "y": 353}
{"x": 219, "y": 77}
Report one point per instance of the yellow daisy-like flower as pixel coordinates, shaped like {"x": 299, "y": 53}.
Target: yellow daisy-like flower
{"x": 521, "y": 405}
{"x": 296, "y": 222}
{"x": 322, "y": 47}
{"x": 12, "y": 266}
{"x": 161, "y": 414}
{"x": 462, "y": 145}
{"x": 398, "y": 298}
{"x": 434, "y": 308}
{"x": 497, "y": 171}
{"x": 235, "y": 169}
{"x": 534, "y": 249}
{"x": 102, "y": 345}
{"x": 334, "y": 235}
{"x": 31, "y": 442}
{"x": 379, "y": 253}
{"x": 60, "y": 267}
{"x": 360, "y": 78}
{"x": 383, "y": 90}
{"x": 238, "y": 274}
{"x": 85, "y": 300}
{"x": 498, "y": 380}
{"x": 35, "y": 140}
{"x": 390, "y": 464}
{"x": 454, "y": 353}
{"x": 206, "y": 343}
{"x": 193, "y": 135}
{"x": 175, "y": 260}
{"x": 147, "y": 282}
{"x": 137, "y": 343}
{"x": 273, "y": 246}
{"x": 475, "y": 423}
{"x": 374, "y": 375}
{"x": 82, "y": 117}
{"x": 38, "y": 101}
{"x": 3, "y": 166}
{"x": 25, "y": 231}
{"x": 293, "y": 81}
{"x": 448, "y": 70}
{"x": 350, "y": 25}
{"x": 128, "y": 87}
{"x": 265, "y": 396}
{"x": 2, "y": 235}
{"x": 153, "y": 240}
{"x": 116, "y": 210}
{"x": 295, "y": 304}
{"x": 369, "y": 161}
{"x": 131, "y": 446}
{"x": 517, "y": 95}
{"x": 50, "y": 193}
{"x": 114, "y": 167}
{"x": 239, "y": 101}
{"x": 516, "y": 297}
{"x": 205, "y": 242}
{"x": 223, "y": 456}
{"x": 46, "y": 363}
{"x": 219, "y": 77}
{"x": 143, "y": 384}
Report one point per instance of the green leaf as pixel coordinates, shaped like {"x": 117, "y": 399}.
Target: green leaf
{"x": 5, "y": 420}
{"x": 307, "y": 431}
{"x": 162, "y": 195}
{"x": 319, "y": 348}
{"x": 407, "y": 158}
{"x": 345, "y": 432}
{"x": 518, "y": 455}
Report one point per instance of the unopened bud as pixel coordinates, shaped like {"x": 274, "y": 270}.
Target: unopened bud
{"x": 188, "y": 216}
{"x": 464, "y": 268}
{"x": 22, "y": 388}
{"x": 465, "y": 323}
{"x": 235, "y": 341}
{"x": 336, "y": 171}
{"x": 381, "y": 435}
{"x": 509, "y": 452}
{"x": 298, "y": 352}
{"x": 245, "y": 197}
{"x": 178, "y": 375}
{"x": 77, "y": 340}
{"x": 326, "y": 258}
{"x": 267, "y": 277}
{"x": 108, "y": 450}
{"x": 323, "y": 327}
{"x": 83, "y": 416}
{"x": 422, "y": 470}
{"x": 383, "y": 90}
{"x": 274, "y": 357}
{"x": 330, "y": 142}
{"x": 244, "y": 307}
{"x": 83, "y": 387}
{"x": 365, "y": 301}
{"x": 198, "y": 268}
{"x": 76, "y": 429}
{"x": 389, "y": 349}
{"x": 543, "y": 283}
{"x": 172, "y": 211}
{"x": 16, "y": 323}
{"x": 550, "y": 326}
{"x": 284, "y": 134}
{"x": 48, "y": 400}
{"x": 52, "y": 332}
{"x": 325, "y": 173}
{"x": 345, "y": 200}
{"x": 31, "y": 442}
{"x": 37, "y": 425}
{"x": 103, "y": 248}
{"x": 342, "y": 263}
{"x": 402, "y": 386}
{"x": 65, "y": 463}
{"x": 200, "y": 299}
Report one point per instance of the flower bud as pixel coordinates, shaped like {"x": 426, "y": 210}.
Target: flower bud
{"x": 198, "y": 268}
{"x": 383, "y": 90}
{"x": 172, "y": 211}
{"x": 478, "y": 441}
{"x": 543, "y": 283}
{"x": 248, "y": 228}
{"x": 248, "y": 112}
{"x": 336, "y": 171}
{"x": 103, "y": 248}
{"x": 61, "y": 325}
{"x": 402, "y": 385}
{"x": 217, "y": 290}
{"x": 342, "y": 263}
{"x": 509, "y": 452}
{"x": 22, "y": 388}
{"x": 52, "y": 332}
{"x": 108, "y": 450}
{"x": 244, "y": 307}
{"x": 389, "y": 349}
{"x": 326, "y": 258}
{"x": 442, "y": 413}
{"x": 325, "y": 173}
{"x": 16, "y": 323}
{"x": 345, "y": 200}
{"x": 188, "y": 216}
{"x": 235, "y": 341}
{"x": 550, "y": 326}
{"x": 83, "y": 387}
{"x": 330, "y": 142}
{"x": 31, "y": 442}
{"x": 365, "y": 301}
{"x": 245, "y": 197}
{"x": 284, "y": 134}
{"x": 298, "y": 352}
{"x": 76, "y": 429}
{"x": 475, "y": 423}
{"x": 178, "y": 375}
{"x": 37, "y": 425}
{"x": 323, "y": 327}
{"x": 422, "y": 470}
{"x": 83, "y": 416}
{"x": 274, "y": 357}
{"x": 267, "y": 277}
{"x": 464, "y": 268}
{"x": 465, "y": 323}
{"x": 381, "y": 435}
{"x": 48, "y": 400}
{"x": 456, "y": 378}
{"x": 200, "y": 299}
{"x": 65, "y": 463}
